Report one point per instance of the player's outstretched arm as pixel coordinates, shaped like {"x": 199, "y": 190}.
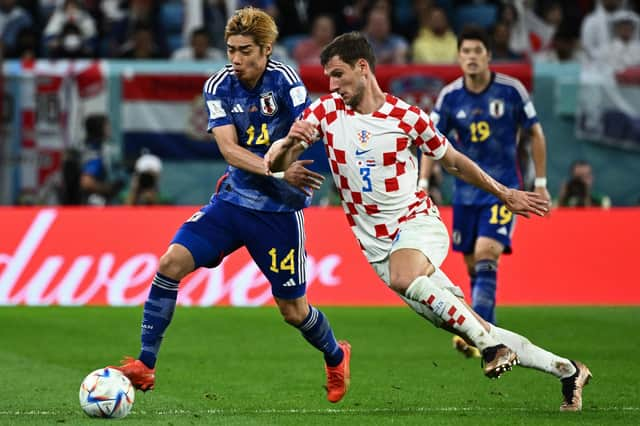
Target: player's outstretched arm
{"x": 285, "y": 151}
{"x": 234, "y": 154}
{"x": 519, "y": 202}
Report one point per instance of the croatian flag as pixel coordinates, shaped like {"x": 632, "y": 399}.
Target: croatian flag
{"x": 165, "y": 114}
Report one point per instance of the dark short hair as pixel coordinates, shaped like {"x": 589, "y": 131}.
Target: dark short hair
{"x": 474, "y": 32}
{"x": 200, "y": 31}
{"x": 349, "y": 47}
{"x": 94, "y": 126}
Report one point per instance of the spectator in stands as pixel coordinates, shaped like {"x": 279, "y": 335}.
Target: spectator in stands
{"x": 97, "y": 185}
{"x": 296, "y": 17}
{"x": 501, "y": 34}
{"x": 307, "y": 51}
{"x": 71, "y": 11}
{"x": 13, "y": 20}
{"x": 70, "y": 44}
{"x": 389, "y": 48}
{"x": 141, "y": 45}
{"x": 27, "y": 44}
{"x": 268, "y": 6}
{"x": 623, "y": 51}
{"x": 199, "y": 49}
{"x": 564, "y": 47}
{"x": 436, "y": 42}
{"x": 529, "y": 33}
{"x": 125, "y": 22}
{"x": 596, "y": 29}
{"x": 144, "y": 188}
{"x": 577, "y": 191}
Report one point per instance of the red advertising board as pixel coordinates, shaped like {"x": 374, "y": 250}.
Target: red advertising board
{"x": 79, "y": 256}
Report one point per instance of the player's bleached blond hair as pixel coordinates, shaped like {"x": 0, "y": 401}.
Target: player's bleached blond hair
{"x": 252, "y": 22}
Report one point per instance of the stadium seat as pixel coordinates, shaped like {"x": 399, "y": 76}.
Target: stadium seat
{"x": 172, "y": 16}
{"x": 174, "y": 41}
{"x": 617, "y": 125}
{"x": 484, "y": 15}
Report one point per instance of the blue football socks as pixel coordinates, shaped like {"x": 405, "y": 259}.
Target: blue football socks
{"x": 157, "y": 314}
{"x": 316, "y": 329}
{"x": 483, "y": 294}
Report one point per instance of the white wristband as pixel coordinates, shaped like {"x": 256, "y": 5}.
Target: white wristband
{"x": 423, "y": 183}
{"x": 540, "y": 182}
{"x": 278, "y": 175}
{"x": 279, "y": 141}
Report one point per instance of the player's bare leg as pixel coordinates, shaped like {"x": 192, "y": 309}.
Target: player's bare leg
{"x": 413, "y": 275}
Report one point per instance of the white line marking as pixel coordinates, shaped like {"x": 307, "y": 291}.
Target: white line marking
{"x": 232, "y": 411}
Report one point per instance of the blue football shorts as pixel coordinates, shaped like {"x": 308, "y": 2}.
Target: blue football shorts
{"x": 275, "y": 241}
{"x": 493, "y": 221}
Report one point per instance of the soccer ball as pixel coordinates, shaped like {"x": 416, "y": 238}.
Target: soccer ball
{"x": 106, "y": 393}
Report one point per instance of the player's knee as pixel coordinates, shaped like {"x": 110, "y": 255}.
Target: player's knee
{"x": 399, "y": 281}
{"x": 292, "y": 316}
{"x": 176, "y": 264}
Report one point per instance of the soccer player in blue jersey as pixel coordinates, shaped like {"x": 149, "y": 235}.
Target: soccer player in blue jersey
{"x": 486, "y": 111}
{"x": 251, "y": 103}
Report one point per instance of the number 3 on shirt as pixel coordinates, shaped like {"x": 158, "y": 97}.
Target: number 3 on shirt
{"x": 480, "y": 131}
{"x": 365, "y": 173}
{"x": 263, "y": 139}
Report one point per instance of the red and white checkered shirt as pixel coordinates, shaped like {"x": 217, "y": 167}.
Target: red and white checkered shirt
{"x": 374, "y": 165}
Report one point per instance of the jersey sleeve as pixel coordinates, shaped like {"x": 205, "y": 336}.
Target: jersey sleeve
{"x": 315, "y": 113}
{"x": 297, "y": 98}
{"x": 216, "y": 106}
{"x": 527, "y": 116}
{"x": 426, "y": 136}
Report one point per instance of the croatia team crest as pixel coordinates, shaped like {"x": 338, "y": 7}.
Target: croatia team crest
{"x": 268, "y": 104}
{"x": 496, "y": 108}
{"x": 363, "y": 138}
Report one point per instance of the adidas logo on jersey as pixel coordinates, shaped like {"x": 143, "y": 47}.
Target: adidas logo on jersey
{"x": 237, "y": 108}
{"x": 461, "y": 114}
{"x": 290, "y": 283}
{"x": 502, "y": 230}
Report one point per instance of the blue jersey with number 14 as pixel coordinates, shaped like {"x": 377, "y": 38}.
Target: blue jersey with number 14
{"x": 486, "y": 129}
{"x": 261, "y": 116}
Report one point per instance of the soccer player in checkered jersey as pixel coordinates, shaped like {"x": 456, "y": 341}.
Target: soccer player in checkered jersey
{"x": 250, "y": 102}
{"x": 486, "y": 111}
{"x": 371, "y": 140}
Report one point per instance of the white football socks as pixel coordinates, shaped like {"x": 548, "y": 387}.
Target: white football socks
{"x": 533, "y": 356}
{"x": 446, "y": 306}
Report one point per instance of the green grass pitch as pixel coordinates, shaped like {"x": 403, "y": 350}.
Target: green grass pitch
{"x": 245, "y": 366}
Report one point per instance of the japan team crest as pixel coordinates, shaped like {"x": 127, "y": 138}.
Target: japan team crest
{"x": 496, "y": 108}
{"x": 268, "y": 104}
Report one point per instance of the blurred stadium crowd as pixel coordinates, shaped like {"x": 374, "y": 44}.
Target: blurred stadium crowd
{"x": 590, "y": 32}
{"x": 418, "y": 31}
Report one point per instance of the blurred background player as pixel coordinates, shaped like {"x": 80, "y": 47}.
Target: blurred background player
{"x": 251, "y": 103}
{"x": 371, "y": 138}
{"x": 487, "y": 111}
